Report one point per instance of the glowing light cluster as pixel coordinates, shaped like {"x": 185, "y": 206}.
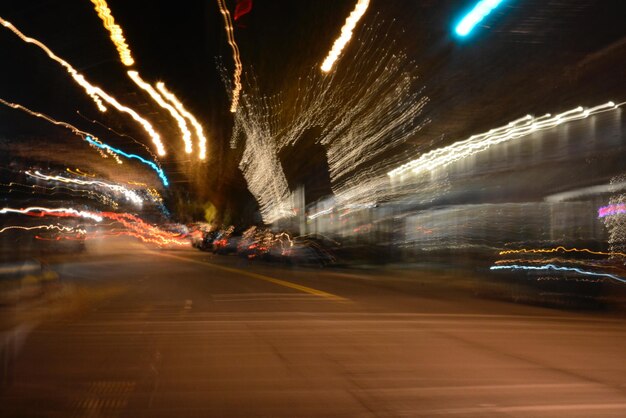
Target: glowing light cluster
{"x": 616, "y": 225}
{"x": 346, "y": 34}
{"x": 96, "y": 93}
{"x": 357, "y": 115}
{"x": 128, "y": 194}
{"x": 557, "y": 268}
{"x": 202, "y": 141}
{"x": 116, "y": 32}
{"x": 262, "y": 169}
{"x": 611, "y": 210}
{"x": 442, "y": 157}
{"x": 228, "y": 24}
{"x": 59, "y": 212}
{"x": 475, "y": 16}
{"x": 182, "y": 125}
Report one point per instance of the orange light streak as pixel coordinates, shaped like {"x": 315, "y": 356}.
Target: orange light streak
{"x": 115, "y": 30}
{"x": 560, "y": 249}
{"x": 78, "y": 172}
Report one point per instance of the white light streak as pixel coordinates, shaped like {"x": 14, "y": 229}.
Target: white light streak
{"x": 182, "y": 125}
{"x": 128, "y": 194}
{"x": 60, "y": 228}
{"x": 202, "y": 141}
{"x": 442, "y": 157}
{"x": 346, "y": 34}
{"x": 228, "y": 24}
{"x": 57, "y": 211}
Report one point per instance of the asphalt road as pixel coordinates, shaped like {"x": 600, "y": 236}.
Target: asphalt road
{"x": 185, "y": 334}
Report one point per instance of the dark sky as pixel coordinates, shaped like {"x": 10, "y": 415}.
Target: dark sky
{"x": 531, "y": 56}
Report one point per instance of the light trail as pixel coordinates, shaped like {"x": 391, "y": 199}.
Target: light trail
{"x": 78, "y": 78}
{"x": 50, "y": 227}
{"x": 95, "y": 92}
{"x": 144, "y": 231}
{"x": 584, "y": 262}
{"x": 159, "y": 240}
{"x": 228, "y": 24}
{"x": 60, "y": 212}
{"x": 202, "y": 141}
{"x": 92, "y": 140}
{"x": 128, "y": 194}
{"x": 53, "y": 121}
{"x": 135, "y": 226}
{"x": 52, "y": 191}
{"x": 519, "y": 128}
{"x": 78, "y": 237}
{"x": 155, "y": 195}
{"x": 611, "y": 210}
{"x": 346, "y": 34}
{"x": 475, "y": 16}
{"x": 586, "y": 191}
{"x": 78, "y": 172}
{"x": 120, "y": 43}
{"x": 115, "y": 30}
{"x": 182, "y": 125}
{"x": 560, "y": 249}
{"x": 151, "y": 164}
{"x": 558, "y": 268}
{"x": 108, "y": 128}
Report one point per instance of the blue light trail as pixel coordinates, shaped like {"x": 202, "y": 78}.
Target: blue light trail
{"x": 478, "y": 13}
{"x": 553, "y": 267}
{"x": 155, "y": 167}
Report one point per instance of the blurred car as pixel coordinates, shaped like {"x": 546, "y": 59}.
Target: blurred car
{"x": 206, "y": 243}
{"x": 312, "y": 250}
{"x": 196, "y": 238}
{"x": 226, "y": 245}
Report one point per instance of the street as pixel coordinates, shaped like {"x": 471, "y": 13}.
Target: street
{"x": 160, "y": 333}
{"x": 349, "y": 208}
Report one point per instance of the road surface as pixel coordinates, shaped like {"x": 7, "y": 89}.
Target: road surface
{"x": 182, "y": 333}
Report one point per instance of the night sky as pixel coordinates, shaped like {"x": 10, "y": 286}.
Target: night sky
{"x": 531, "y": 56}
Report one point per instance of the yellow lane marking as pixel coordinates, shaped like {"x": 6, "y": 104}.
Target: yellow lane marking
{"x": 279, "y": 282}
